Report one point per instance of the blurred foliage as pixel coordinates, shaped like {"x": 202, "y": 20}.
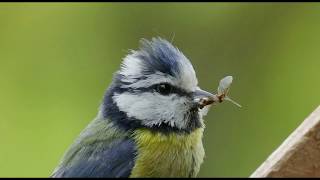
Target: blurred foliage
{"x": 57, "y": 59}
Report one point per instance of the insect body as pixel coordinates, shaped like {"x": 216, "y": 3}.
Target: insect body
{"x": 223, "y": 90}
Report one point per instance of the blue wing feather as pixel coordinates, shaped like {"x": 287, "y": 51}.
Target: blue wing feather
{"x": 100, "y": 151}
{"x": 114, "y": 161}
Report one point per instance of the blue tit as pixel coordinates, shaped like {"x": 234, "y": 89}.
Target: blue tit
{"x": 149, "y": 123}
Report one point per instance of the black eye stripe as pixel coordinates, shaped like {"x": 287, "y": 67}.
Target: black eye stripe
{"x": 164, "y": 89}
{"x": 174, "y": 90}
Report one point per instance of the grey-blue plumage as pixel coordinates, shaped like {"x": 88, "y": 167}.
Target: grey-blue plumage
{"x": 159, "y": 56}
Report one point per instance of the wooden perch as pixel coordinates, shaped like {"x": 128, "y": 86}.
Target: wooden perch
{"x": 298, "y": 155}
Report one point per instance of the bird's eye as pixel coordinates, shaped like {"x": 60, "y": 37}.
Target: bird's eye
{"x": 164, "y": 89}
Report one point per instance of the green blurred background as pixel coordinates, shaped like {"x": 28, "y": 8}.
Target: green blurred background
{"x": 57, "y": 59}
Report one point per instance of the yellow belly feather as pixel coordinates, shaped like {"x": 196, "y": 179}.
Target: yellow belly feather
{"x": 168, "y": 155}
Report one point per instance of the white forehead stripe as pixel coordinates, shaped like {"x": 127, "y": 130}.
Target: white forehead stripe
{"x": 132, "y": 68}
{"x": 150, "y": 80}
{"x": 187, "y": 74}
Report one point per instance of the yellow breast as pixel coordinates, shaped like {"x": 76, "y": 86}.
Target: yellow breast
{"x": 167, "y": 155}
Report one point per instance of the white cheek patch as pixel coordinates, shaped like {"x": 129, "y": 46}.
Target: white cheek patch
{"x": 153, "y": 109}
{"x": 204, "y": 111}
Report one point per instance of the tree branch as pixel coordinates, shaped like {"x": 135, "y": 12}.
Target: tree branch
{"x": 298, "y": 155}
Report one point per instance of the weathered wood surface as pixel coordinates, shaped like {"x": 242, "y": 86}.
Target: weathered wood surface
{"x": 298, "y": 155}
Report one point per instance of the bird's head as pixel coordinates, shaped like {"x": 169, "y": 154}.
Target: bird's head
{"x": 156, "y": 87}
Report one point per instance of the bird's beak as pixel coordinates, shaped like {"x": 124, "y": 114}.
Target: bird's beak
{"x": 204, "y": 98}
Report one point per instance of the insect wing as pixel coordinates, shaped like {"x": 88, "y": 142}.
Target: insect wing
{"x": 224, "y": 85}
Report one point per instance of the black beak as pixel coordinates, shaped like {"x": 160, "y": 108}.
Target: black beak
{"x": 204, "y": 98}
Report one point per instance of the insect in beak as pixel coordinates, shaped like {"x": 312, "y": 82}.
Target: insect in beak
{"x": 204, "y": 98}
{"x": 223, "y": 89}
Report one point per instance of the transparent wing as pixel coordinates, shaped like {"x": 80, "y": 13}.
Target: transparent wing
{"x": 223, "y": 89}
{"x": 224, "y": 85}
